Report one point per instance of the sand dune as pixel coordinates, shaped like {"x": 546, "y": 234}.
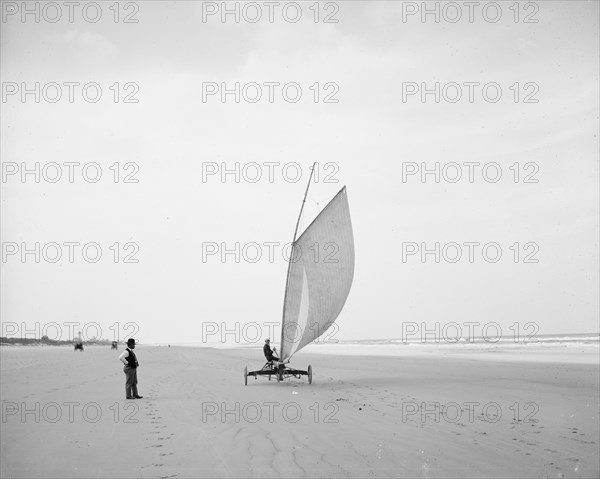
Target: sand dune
{"x": 64, "y": 415}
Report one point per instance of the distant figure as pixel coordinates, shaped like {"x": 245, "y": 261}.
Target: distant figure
{"x": 114, "y": 345}
{"x": 79, "y": 346}
{"x": 268, "y": 352}
{"x": 128, "y": 358}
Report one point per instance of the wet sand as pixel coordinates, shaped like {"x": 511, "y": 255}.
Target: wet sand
{"x": 64, "y": 414}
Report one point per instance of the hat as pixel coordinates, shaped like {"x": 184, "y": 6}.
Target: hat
{"x": 267, "y": 340}
{"x": 131, "y": 342}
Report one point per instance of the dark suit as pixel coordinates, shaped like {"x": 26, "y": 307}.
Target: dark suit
{"x": 269, "y": 353}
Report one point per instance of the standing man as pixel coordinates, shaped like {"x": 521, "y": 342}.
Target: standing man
{"x": 128, "y": 358}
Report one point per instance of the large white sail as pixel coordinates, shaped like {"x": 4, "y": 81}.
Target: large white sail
{"x": 319, "y": 277}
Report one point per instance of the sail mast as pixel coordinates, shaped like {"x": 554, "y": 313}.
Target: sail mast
{"x": 312, "y": 170}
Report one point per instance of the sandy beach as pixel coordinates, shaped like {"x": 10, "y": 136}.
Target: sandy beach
{"x": 64, "y": 415}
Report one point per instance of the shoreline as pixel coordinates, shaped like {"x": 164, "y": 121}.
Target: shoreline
{"x": 547, "y": 352}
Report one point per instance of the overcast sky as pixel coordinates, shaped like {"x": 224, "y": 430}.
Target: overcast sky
{"x": 365, "y": 140}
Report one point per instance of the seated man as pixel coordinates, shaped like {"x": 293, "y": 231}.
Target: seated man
{"x": 268, "y": 352}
